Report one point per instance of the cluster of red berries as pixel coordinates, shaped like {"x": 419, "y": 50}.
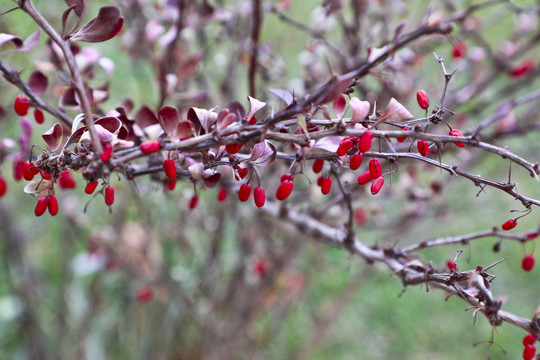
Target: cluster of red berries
{"x": 21, "y": 105}
{"x": 530, "y": 350}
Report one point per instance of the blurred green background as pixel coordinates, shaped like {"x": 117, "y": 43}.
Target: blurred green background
{"x": 344, "y": 308}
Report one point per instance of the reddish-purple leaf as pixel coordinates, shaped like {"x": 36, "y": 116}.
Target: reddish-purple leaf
{"x": 38, "y": 82}
{"x": 105, "y": 26}
{"x": 263, "y": 153}
{"x": 53, "y": 136}
{"x": 27, "y": 45}
{"x": 201, "y": 118}
{"x": 338, "y": 106}
{"x": 68, "y": 98}
{"x": 65, "y": 16}
{"x": 184, "y": 129}
{"x": 226, "y": 121}
{"x": 284, "y": 95}
{"x": 80, "y": 6}
{"x": 169, "y": 117}
{"x": 329, "y": 143}
{"x": 145, "y": 117}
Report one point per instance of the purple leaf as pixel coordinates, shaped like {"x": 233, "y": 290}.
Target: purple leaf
{"x": 201, "y": 118}
{"x": 80, "y": 6}
{"x": 284, "y": 95}
{"x": 5, "y": 38}
{"x": 184, "y": 129}
{"x": 145, "y": 117}
{"x": 225, "y": 120}
{"x": 53, "y": 136}
{"x": 210, "y": 178}
{"x": 255, "y": 105}
{"x": 105, "y": 26}
{"x": 263, "y": 153}
{"x": 38, "y": 82}
{"x": 236, "y": 108}
{"x": 28, "y": 44}
{"x": 169, "y": 117}
{"x": 329, "y": 143}
{"x": 68, "y": 98}
{"x": 110, "y": 123}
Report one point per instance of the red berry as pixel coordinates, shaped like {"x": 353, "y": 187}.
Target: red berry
{"x": 365, "y": 177}
{"x": 150, "y": 146}
{"x": 172, "y": 184}
{"x": 326, "y": 185}
{"x": 109, "y": 195}
{"x": 244, "y": 192}
{"x": 344, "y": 146}
{"x": 222, "y": 195}
{"x": 375, "y": 168}
{"x": 402, "y": 139}
{"x": 451, "y": 265}
{"x": 459, "y": 49}
{"x": 18, "y": 170}
{"x": 525, "y": 67}
{"x": 365, "y": 141}
{"x": 284, "y": 190}
{"x": 41, "y": 206}
{"x": 21, "y": 105}
{"x": 377, "y": 185}
{"x": 259, "y": 267}
{"x": 145, "y": 293}
{"x": 457, "y": 133}
{"x": 318, "y": 165}
{"x": 90, "y": 187}
{"x": 253, "y": 120}
{"x": 423, "y": 147}
{"x": 258, "y": 196}
{"x": 360, "y": 216}
{"x": 286, "y": 177}
{"x": 3, "y": 186}
{"x": 66, "y": 181}
{"x": 423, "y": 99}
{"x": 529, "y": 352}
{"x": 529, "y": 339}
{"x": 106, "y": 153}
{"x": 356, "y": 161}
{"x": 45, "y": 175}
{"x": 509, "y": 225}
{"x": 39, "y": 116}
{"x": 170, "y": 168}
{"x": 242, "y": 172}
{"x": 29, "y": 171}
{"x": 233, "y": 148}
{"x": 52, "y": 204}
{"x": 193, "y": 202}
{"x": 527, "y": 263}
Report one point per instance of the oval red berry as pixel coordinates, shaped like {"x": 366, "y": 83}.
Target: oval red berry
{"x": 259, "y": 197}
{"x": 326, "y": 185}
{"x": 356, "y": 161}
{"x": 375, "y": 168}
{"x": 365, "y": 177}
{"x": 527, "y": 263}
{"x": 377, "y": 185}
{"x": 52, "y": 204}
{"x": 109, "y": 195}
{"x": 41, "y": 206}
{"x": 39, "y": 116}
{"x": 423, "y": 147}
{"x": 150, "y": 146}
{"x": 3, "y": 186}
{"x": 509, "y": 224}
{"x": 169, "y": 167}
{"x": 365, "y": 141}
{"x": 21, "y": 105}
{"x": 284, "y": 190}
{"x": 318, "y": 165}
{"x": 423, "y": 99}
{"x": 244, "y": 192}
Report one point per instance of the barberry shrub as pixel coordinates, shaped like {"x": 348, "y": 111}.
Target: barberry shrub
{"x": 132, "y": 123}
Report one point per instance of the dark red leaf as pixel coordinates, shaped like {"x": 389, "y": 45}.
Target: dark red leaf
{"x": 27, "y": 45}
{"x": 169, "y": 117}
{"x": 53, "y": 136}
{"x": 38, "y": 82}
{"x": 105, "y": 26}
